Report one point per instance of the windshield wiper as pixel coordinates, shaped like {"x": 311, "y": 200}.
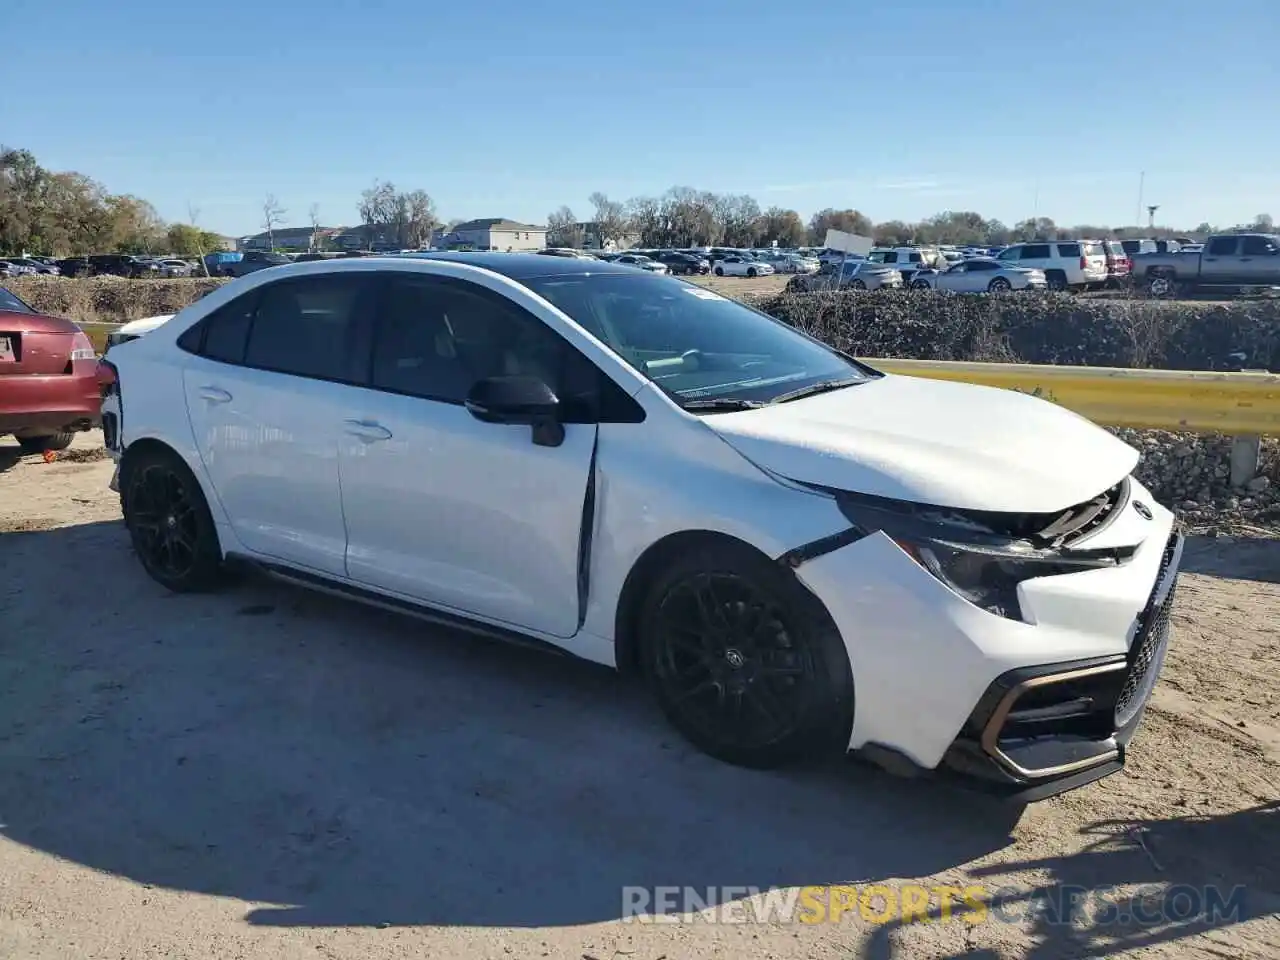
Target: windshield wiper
{"x": 824, "y": 386}
{"x": 721, "y": 403}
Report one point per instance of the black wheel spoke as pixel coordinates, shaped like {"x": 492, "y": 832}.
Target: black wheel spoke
{"x": 163, "y": 521}
{"x": 706, "y": 686}
{"x": 729, "y": 662}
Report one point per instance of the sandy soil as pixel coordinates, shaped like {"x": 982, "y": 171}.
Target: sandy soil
{"x": 270, "y": 773}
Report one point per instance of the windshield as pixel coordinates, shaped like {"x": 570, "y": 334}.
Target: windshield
{"x": 693, "y": 343}
{"x": 11, "y": 303}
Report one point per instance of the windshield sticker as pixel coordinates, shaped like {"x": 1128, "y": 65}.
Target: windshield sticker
{"x": 702, "y": 293}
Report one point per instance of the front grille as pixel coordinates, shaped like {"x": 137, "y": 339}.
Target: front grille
{"x": 1146, "y": 655}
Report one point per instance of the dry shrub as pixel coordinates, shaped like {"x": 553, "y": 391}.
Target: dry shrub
{"x": 1059, "y": 329}
{"x": 109, "y": 299}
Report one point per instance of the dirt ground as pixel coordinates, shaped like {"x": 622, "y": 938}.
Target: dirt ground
{"x": 267, "y": 772}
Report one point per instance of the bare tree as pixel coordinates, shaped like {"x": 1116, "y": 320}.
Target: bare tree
{"x": 272, "y": 217}
{"x": 405, "y": 218}
{"x": 193, "y": 217}
{"x": 563, "y": 229}
{"x": 611, "y": 218}
{"x": 313, "y": 213}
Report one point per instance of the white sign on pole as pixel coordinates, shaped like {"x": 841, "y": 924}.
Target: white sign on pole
{"x": 848, "y": 242}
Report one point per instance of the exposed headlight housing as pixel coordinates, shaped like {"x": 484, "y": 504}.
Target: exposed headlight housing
{"x": 989, "y": 577}
{"x": 981, "y": 565}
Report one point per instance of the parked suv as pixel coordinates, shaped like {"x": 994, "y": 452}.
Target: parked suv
{"x": 253, "y": 262}
{"x": 1067, "y": 264}
{"x": 907, "y": 260}
{"x": 1119, "y": 266}
{"x": 683, "y": 263}
{"x": 122, "y": 265}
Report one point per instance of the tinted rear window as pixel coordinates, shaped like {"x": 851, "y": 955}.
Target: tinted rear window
{"x": 1035, "y": 251}
{"x": 10, "y": 302}
{"x": 1068, "y": 249}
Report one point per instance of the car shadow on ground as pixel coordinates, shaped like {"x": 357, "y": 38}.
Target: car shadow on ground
{"x": 10, "y": 454}
{"x": 350, "y": 767}
{"x": 1236, "y": 558}
{"x": 1167, "y": 894}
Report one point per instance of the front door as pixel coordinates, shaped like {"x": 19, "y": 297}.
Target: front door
{"x": 267, "y": 406}
{"x": 441, "y": 507}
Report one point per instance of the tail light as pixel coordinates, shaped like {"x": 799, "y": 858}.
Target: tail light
{"x": 108, "y": 377}
{"x": 1084, "y": 262}
{"x": 82, "y": 348}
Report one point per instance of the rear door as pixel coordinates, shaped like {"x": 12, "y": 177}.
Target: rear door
{"x": 1221, "y": 261}
{"x": 1260, "y": 260}
{"x": 268, "y": 393}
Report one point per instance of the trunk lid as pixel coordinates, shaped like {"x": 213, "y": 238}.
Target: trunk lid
{"x": 34, "y": 344}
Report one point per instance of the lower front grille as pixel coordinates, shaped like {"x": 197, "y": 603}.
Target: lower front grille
{"x": 1146, "y": 654}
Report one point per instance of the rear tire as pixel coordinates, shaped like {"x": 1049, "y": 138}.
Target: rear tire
{"x": 744, "y": 661}
{"x": 169, "y": 522}
{"x": 858, "y": 285}
{"x": 920, "y": 285}
{"x": 751, "y": 271}
{"x": 1056, "y": 280}
{"x": 46, "y": 442}
{"x": 719, "y": 271}
{"x": 999, "y": 285}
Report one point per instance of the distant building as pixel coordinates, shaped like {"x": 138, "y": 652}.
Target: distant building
{"x": 294, "y": 239}
{"x": 497, "y": 233}
{"x": 593, "y": 240}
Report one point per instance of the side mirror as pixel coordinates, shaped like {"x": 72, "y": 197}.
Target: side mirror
{"x": 518, "y": 400}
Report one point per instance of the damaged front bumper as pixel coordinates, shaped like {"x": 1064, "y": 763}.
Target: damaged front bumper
{"x": 1025, "y": 706}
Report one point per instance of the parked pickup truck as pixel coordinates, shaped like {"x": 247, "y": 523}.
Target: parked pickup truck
{"x": 1235, "y": 260}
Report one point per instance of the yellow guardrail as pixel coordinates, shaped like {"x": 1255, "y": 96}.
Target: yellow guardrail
{"x": 1239, "y": 404}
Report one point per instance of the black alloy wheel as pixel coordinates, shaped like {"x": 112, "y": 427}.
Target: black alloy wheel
{"x": 745, "y": 662}
{"x": 169, "y": 523}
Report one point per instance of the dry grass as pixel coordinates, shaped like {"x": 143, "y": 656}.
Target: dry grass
{"x": 109, "y": 299}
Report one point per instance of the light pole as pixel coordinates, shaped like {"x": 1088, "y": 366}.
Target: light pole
{"x": 1151, "y": 215}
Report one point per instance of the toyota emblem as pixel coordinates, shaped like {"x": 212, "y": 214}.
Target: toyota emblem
{"x": 1143, "y": 510}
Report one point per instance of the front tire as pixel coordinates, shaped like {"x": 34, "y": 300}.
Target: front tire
{"x": 858, "y": 285}
{"x": 920, "y": 285}
{"x": 744, "y": 661}
{"x": 169, "y": 522}
{"x": 46, "y": 442}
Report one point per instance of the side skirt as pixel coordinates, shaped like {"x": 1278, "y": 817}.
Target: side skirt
{"x": 440, "y": 618}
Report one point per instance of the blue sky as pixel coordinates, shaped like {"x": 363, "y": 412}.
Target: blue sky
{"x": 510, "y": 108}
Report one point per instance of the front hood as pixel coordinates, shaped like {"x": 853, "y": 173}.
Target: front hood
{"x": 936, "y": 442}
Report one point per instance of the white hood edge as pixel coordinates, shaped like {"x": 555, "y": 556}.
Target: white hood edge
{"x": 935, "y": 442}
{"x": 144, "y": 325}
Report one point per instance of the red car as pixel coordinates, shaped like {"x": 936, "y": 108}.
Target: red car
{"x": 48, "y": 378}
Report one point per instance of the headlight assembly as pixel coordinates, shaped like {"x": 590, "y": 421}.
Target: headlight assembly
{"x": 971, "y": 558}
{"x": 987, "y": 576}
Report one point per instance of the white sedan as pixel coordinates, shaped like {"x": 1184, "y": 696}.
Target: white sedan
{"x": 980, "y": 275}
{"x": 135, "y": 329}
{"x": 801, "y": 554}
{"x": 735, "y": 266}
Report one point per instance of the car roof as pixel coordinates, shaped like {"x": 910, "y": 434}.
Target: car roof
{"x": 522, "y": 266}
